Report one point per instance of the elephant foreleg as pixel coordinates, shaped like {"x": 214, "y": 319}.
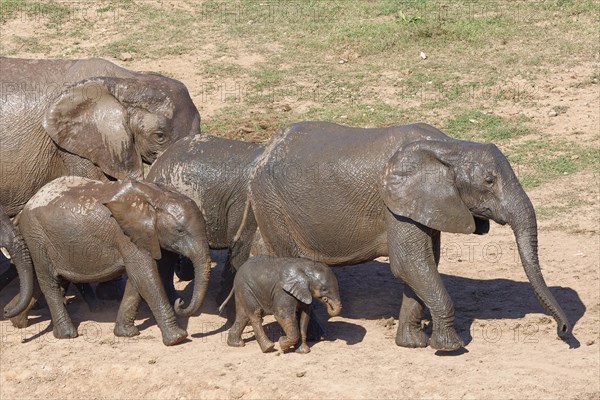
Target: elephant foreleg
{"x": 410, "y": 332}
{"x": 304, "y": 318}
{"x": 142, "y": 271}
{"x": 413, "y": 259}
{"x": 128, "y": 309}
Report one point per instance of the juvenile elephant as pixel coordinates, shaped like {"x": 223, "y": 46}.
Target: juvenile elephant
{"x": 343, "y": 195}
{"x": 88, "y": 118}
{"x": 83, "y": 230}
{"x": 267, "y": 285}
{"x": 214, "y": 172}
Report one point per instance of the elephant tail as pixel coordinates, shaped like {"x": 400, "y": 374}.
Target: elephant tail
{"x": 222, "y": 306}
{"x": 247, "y": 208}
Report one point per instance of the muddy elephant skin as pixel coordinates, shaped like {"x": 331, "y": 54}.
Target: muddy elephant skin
{"x": 214, "y": 172}
{"x": 83, "y": 230}
{"x": 266, "y": 285}
{"x": 85, "y": 117}
{"x": 343, "y": 195}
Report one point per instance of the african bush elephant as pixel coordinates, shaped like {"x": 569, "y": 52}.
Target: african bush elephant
{"x": 88, "y": 118}
{"x": 343, "y": 195}
{"x": 212, "y": 171}
{"x": 266, "y": 285}
{"x": 83, "y": 230}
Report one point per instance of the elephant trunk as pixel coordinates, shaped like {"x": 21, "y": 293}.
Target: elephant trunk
{"x": 20, "y": 256}
{"x": 523, "y": 222}
{"x": 202, "y": 266}
{"x": 334, "y": 307}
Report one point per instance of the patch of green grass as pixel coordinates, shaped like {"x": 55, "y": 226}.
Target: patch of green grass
{"x": 476, "y": 125}
{"x": 540, "y": 161}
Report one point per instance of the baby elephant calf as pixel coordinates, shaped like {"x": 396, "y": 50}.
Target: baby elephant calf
{"x": 280, "y": 286}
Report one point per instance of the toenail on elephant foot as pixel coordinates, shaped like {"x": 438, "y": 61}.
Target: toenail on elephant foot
{"x": 126, "y": 330}
{"x": 445, "y": 339}
{"x": 174, "y": 336}
{"x": 64, "y": 331}
{"x": 303, "y": 349}
{"x": 412, "y": 337}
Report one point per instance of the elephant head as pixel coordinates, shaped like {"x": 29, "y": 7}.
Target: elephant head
{"x": 118, "y": 123}
{"x": 154, "y": 217}
{"x": 456, "y": 186}
{"x": 307, "y": 279}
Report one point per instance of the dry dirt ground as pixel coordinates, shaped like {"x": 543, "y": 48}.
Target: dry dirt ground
{"x": 512, "y": 350}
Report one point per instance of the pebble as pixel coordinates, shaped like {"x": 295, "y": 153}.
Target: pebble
{"x": 590, "y": 342}
{"x": 126, "y": 57}
{"x": 552, "y": 113}
{"x": 300, "y": 374}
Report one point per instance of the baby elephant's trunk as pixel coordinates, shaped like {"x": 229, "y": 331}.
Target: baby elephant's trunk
{"x": 334, "y": 307}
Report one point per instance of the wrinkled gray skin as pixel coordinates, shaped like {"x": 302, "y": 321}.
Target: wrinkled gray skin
{"x": 83, "y": 230}
{"x": 266, "y": 285}
{"x": 88, "y": 118}
{"x": 214, "y": 173}
{"x": 13, "y": 242}
{"x": 343, "y": 195}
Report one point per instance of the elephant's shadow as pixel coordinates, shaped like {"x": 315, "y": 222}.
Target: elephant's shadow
{"x": 370, "y": 291}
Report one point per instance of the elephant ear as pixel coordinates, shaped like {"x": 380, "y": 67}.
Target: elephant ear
{"x": 418, "y": 183}
{"x": 295, "y": 282}
{"x": 89, "y": 121}
{"x": 137, "y": 218}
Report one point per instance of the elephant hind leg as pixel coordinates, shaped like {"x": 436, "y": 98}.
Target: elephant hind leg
{"x": 63, "y": 326}
{"x": 234, "y": 337}
{"x": 290, "y": 327}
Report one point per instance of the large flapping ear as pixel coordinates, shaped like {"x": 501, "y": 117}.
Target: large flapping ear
{"x": 137, "y": 218}
{"x": 88, "y": 120}
{"x": 295, "y": 282}
{"x": 418, "y": 183}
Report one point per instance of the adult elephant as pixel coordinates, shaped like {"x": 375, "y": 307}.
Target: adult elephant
{"x": 89, "y": 118}
{"x": 214, "y": 172}
{"x": 343, "y": 195}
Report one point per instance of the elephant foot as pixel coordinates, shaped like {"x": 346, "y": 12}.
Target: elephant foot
{"x": 445, "y": 339}
{"x": 266, "y": 346}
{"x": 111, "y": 290}
{"x": 174, "y": 336}
{"x": 303, "y": 349}
{"x": 64, "y": 331}
{"x": 235, "y": 342}
{"x": 20, "y": 321}
{"x": 411, "y": 336}
{"x": 285, "y": 343}
{"x": 123, "y": 330}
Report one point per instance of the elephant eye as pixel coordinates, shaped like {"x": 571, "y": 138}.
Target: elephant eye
{"x": 160, "y": 138}
{"x": 490, "y": 180}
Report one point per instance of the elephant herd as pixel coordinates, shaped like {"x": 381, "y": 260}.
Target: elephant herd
{"x": 75, "y": 205}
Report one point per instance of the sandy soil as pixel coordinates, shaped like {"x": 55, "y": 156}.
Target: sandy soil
{"x": 512, "y": 349}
